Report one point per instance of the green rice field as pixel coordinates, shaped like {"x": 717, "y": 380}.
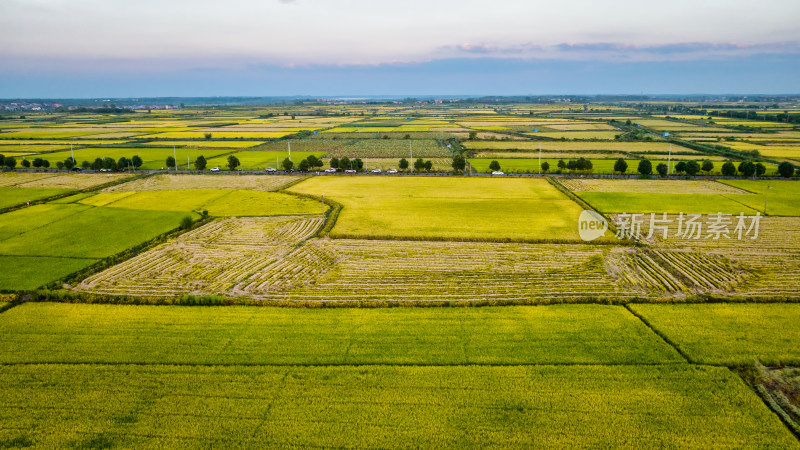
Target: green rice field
{"x": 567, "y": 334}
{"x": 451, "y": 208}
{"x": 729, "y": 333}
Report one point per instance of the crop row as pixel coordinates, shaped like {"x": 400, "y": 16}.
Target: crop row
{"x": 675, "y": 271}
{"x": 768, "y": 265}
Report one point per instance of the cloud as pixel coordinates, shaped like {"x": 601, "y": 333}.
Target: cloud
{"x": 618, "y": 51}
{"x": 680, "y": 48}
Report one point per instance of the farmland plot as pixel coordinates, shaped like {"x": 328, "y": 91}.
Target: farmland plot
{"x": 17, "y": 196}
{"x": 564, "y": 334}
{"x": 651, "y": 186}
{"x": 730, "y": 333}
{"x": 661, "y": 196}
{"x": 448, "y": 208}
{"x": 253, "y": 256}
{"x": 218, "y": 202}
{"x": 765, "y": 267}
{"x": 379, "y": 406}
{"x": 167, "y": 182}
{"x": 631, "y": 147}
{"x": 397, "y": 271}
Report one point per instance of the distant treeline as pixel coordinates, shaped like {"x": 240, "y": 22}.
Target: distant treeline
{"x": 104, "y": 110}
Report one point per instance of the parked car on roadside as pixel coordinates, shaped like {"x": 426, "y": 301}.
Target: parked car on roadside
{"x": 497, "y": 172}
{"x": 391, "y": 171}
{"x": 350, "y": 171}
{"x": 330, "y": 170}
{"x": 215, "y": 169}
{"x": 270, "y": 169}
{"x": 376, "y": 170}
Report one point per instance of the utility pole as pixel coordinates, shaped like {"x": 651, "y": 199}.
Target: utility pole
{"x": 669, "y": 160}
{"x": 766, "y": 196}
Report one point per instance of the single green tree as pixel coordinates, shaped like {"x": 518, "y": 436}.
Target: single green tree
{"x": 459, "y": 163}
{"x": 200, "y": 163}
{"x": 473, "y": 135}
{"x": 620, "y": 166}
{"x": 728, "y": 169}
{"x": 38, "y": 162}
{"x": 747, "y": 169}
{"x": 303, "y": 166}
{"x": 583, "y": 164}
{"x": 334, "y": 163}
{"x": 136, "y": 161}
{"x": 60, "y": 165}
{"x": 662, "y": 169}
{"x": 419, "y": 164}
{"x": 109, "y": 164}
{"x": 207, "y": 135}
{"x": 287, "y": 164}
{"x": 680, "y": 167}
{"x": 692, "y": 167}
{"x": 428, "y": 165}
{"x": 186, "y": 222}
{"x": 561, "y": 164}
{"x": 233, "y": 162}
{"x": 358, "y": 164}
{"x": 26, "y": 164}
{"x": 2, "y": 161}
{"x": 786, "y": 169}
{"x": 170, "y": 162}
{"x": 545, "y": 166}
{"x": 708, "y": 166}
{"x": 761, "y": 169}
{"x": 124, "y": 163}
{"x": 85, "y": 164}
{"x": 403, "y": 164}
{"x": 10, "y": 162}
{"x": 344, "y": 163}
{"x": 645, "y": 167}
{"x": 494, "y": 166}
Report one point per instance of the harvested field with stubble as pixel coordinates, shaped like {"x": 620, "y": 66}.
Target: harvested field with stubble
{"x": 771, "y": 267}
{"x": 165, "y": 182}
{"x": 266, "y": 258}
{"x": 58, "y": 180}
{"x": 252, "y": 256}
{"x": 650, "y": 186}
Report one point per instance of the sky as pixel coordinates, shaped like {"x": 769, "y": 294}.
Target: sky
{"x": 148, "y": 48}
